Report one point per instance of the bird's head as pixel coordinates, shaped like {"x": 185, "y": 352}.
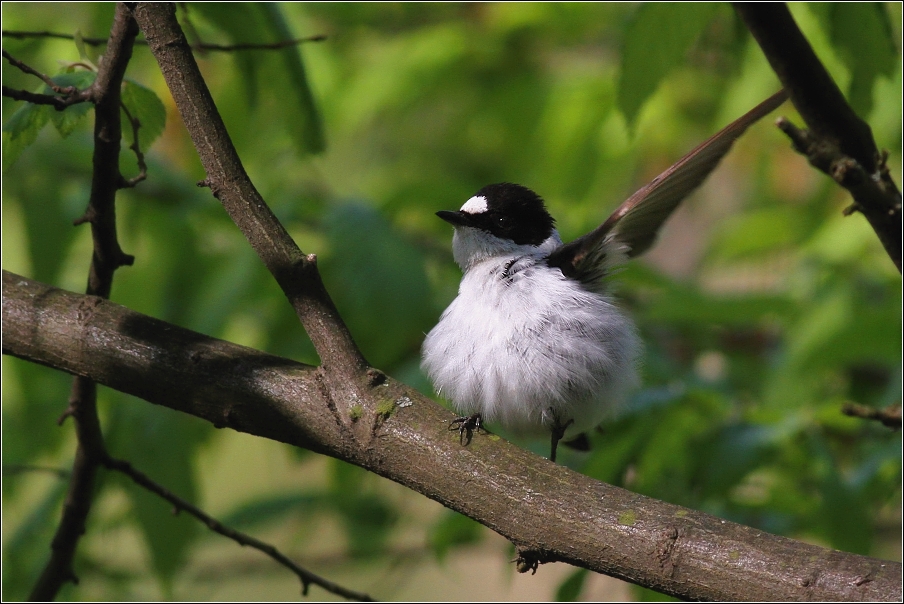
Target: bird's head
{"x": 503, "y": 219}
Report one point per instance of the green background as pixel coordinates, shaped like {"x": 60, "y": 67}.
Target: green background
{"x": 763, "y": 309}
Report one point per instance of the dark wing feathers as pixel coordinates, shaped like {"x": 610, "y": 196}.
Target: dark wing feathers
{"x": 637, "y": 221}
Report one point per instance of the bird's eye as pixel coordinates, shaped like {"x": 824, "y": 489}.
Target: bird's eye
{"x": 501, "y": 221}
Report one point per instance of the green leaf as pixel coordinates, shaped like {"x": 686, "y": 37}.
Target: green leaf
{"x": 268, "y": 509}
{"x": 642, "y": 594}
{"x": 689, "y": 306}
{"x": 759, "y": 231}
{"x": 863, "y": 34}
{"x": 836, "y": 330}
{"x": 841, "y": 502}
{"x": 372, "y": 271}
{"x": 262, "y": 23}
{"x": 161, "y": 444}
{"x": 570, "y": 589}
{"x": 241, "y": 22}
{"x": 80, "y": 78}
{"x": 68, "y": 119}
{"x": 80, "y": 46}
{"x": 40, "y": 403}
{"x": 656, "y": 41}
{"x": 367, "y": 517}
{"x": 22, "y": 129}
{"x": 145, "y": 106}
{"x": 731, "y": 453}
{"x": 85, "y": 55}
{"x": 451, "y": 530}
{"x": 826, "y": 317}
{"x": 26, "y": 541}
{"x": 303, "y": 118}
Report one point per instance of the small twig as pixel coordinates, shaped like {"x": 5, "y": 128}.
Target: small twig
{"x": 136, "y": 147}
{"x": 825, "y": 156}
{"x": 70, "y": 94}
{"x": 42, "y": 99}
{"x": 257, "y": 46}
{"x": 890, "y": 416}
{"x": 196, "y": 46}
{"x": 31, "y": 71}
{"x": 23, "y": 35}
{"x": 307, "y": 577}
{"x": 21, "y": 468}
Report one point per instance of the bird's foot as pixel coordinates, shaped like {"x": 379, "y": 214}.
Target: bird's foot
{"x": 466, "y": 425}
{"x": 558, "y": 431}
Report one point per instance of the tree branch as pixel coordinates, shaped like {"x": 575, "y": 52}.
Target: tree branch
{"x": 31, "y": 71}
{"x": 70, "y": 94}
{"x": 58, "y": 102}
{"x": 199, "y": 46}
{"x": 399, "y": 434}
{"x": 890, "y": 416}
{"x": 107, "y": 257}
{"x": 307, "y": 577}
{"x": 391, "y": 430}
{"x": 839, "y": 142}
{"x": 295, "y": 273}
{"x": 136, "y": 148}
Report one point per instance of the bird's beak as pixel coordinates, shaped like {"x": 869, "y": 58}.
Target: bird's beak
{"x": 455, "y": 218}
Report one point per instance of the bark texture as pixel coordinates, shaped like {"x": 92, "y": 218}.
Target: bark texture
{"x": 549, "y": 512}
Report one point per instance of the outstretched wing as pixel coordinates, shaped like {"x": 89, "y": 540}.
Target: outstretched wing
{"x": 634, "y": 225}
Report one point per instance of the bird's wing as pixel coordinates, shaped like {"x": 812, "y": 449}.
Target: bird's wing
{"x": 634, "y": 225}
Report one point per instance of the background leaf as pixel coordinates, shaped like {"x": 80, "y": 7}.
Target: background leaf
{"x": 263, "y": 23}
{"x": 656, "y": 40}
{"x": 570, "y": 589}
{"x": 162, "y": 446}
{"x": 145, "y": 106}
{"x": 67, "y": 120}
{"x": 863, "y": 34}
{"x": 21, "y": 130}
{"x": 303, "y": 115}
{"x": 762, "y": 308}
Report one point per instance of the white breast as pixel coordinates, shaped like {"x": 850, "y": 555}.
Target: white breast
{"x": 521, "y": 339}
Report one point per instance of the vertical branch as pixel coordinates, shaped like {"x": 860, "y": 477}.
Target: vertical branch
{"x": 107, "y": 256}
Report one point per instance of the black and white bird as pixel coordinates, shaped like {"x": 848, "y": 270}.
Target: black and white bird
{"x": 534, "y": 341}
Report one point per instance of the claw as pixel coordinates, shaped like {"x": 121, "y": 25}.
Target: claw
{"x": 467, "y": 425}
{"x": 558, "y": 431}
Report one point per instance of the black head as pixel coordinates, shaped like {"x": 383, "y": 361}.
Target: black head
{"x": 506, "y": 210}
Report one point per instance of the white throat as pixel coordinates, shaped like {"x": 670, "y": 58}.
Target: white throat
{"x": 472, "y": 246}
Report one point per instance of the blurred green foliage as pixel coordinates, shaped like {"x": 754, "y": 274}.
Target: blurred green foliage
{"x": 763, "y": 309}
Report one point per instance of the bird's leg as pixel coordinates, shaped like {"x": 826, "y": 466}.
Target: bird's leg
{"x": 558, "y": 431}
{"x": 467, "y": 425}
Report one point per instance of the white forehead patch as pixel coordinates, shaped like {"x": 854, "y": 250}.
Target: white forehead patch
{"x": 475, "y": 205}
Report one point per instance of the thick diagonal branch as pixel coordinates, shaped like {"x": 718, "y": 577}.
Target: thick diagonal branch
{"x": 295, "y": 272}
{"x": 839, "y": 142}
{"x": 548, "y": 511}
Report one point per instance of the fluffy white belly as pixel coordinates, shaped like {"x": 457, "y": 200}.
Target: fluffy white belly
{"x": 529, "y": 348}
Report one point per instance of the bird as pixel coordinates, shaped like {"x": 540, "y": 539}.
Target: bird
{"x": 535, "y": 341}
